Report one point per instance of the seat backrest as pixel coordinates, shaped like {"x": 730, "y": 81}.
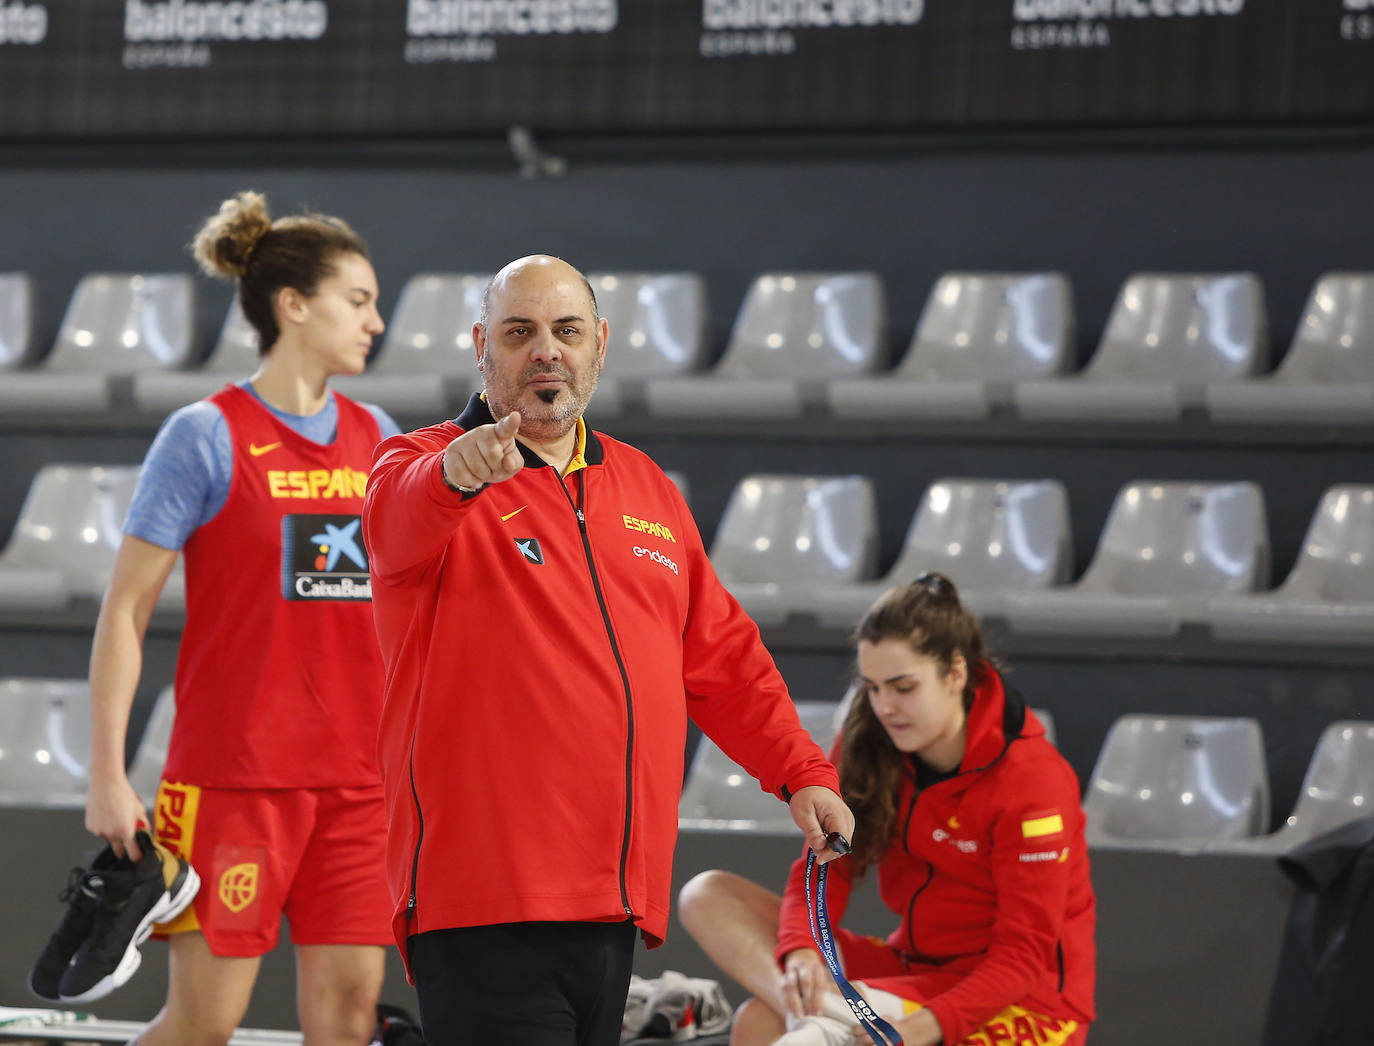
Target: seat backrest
{"x": 45, "y": 742}
{"x": 145, "y": 773}
{"x": 1184, "y": 328}
{"x": 431, "y": 327}
{"x": 1336, "y": 563}
{"x": 72, "y": 517}
{"x": 1334, "y": 342}
{"x": 1179, "y": 778}
{"x": 993, "y": 326}
{"x": 16, "y": 320}
{"x": 657, "y": 322}
{"x": 120, "y": 323}
{"x": 720, "y": 795}
{"x": 1179, "y": 539}
{"x": 236, "y": 350}
{"x": 1339, "y": 784}
{"x": 990, "y": 534}
{"x": 798, "y": 529}
{"x": 819, "y": 719}
{"x": 808, "y": 326}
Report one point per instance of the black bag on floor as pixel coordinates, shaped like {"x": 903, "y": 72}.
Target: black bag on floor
{"x": 1321, "y": 991}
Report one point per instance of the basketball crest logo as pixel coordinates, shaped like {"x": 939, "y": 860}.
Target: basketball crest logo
{"x": 238, "y": 886}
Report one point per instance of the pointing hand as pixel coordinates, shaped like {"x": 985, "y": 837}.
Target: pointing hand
{"x": 486, "y": 454}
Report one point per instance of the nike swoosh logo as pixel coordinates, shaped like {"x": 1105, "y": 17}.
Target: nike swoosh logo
{"x": 515, "y": 513}
{"x": 258, "y": 452}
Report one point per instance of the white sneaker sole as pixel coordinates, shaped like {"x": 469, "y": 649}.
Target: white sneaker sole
{"x": 166, "y": 909}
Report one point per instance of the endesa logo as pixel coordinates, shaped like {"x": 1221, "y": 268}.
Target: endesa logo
{"x": 964, "y": 846}
{"x": 654, "y": 554}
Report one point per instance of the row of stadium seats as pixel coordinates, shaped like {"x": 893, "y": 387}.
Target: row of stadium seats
{"x": 985, "y": 341}
{"x": 1170, "y": 782}
{"x": 1170, "y": 554}
{"x": 1180, "y": 783}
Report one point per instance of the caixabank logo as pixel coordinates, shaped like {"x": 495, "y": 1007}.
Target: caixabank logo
{"x": 22, "y": 23}
{"x": 323, "y": 558}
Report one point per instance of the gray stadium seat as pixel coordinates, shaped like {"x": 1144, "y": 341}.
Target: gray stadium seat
{"x": 66, "y": 537}
{"x": 988, "y": 536}
{"x": 1328, "y": 596}
{"x": 782, "y": 535}
{"x": 657, "y": 327}
{"x": 979, "y": 333}
{"x": 1178, "y": 782}
{"x": 16, "y": 320}
{"x": 1327, "y": 376}
{"x": 234, "y": 356}
{"x": 794, "y": 332}
{"x": 1339, "y": 784}
{"x": 1166, "y": 548}
{"x": 45, "y": 742}
{"x": 1168, "y": 336}
{"x": 426, "y": 364}
{"x": 719, "y": 795}
{"x": 1338, "y": 788}
{"x": 145, "y": 773}
{"x": 117, "y": 324}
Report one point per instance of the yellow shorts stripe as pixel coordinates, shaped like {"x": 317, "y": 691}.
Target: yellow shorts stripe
{"x": 1014, "y": 1026}
{"x": 174, "y": 824}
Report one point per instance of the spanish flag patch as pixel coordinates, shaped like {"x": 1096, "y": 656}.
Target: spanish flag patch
{"x": 1046, "y": 824}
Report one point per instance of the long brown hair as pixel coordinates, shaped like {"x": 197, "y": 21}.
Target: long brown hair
{"x": 241, "y": 242}
{"x": 928, "y": 617}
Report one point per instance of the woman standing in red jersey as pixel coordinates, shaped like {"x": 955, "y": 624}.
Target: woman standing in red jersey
{"x": 973, "y": 822}
{"x": 271, "y": 789}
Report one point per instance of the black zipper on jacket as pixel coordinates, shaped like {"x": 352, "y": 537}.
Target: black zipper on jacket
{"x": 624, "y": 679}
{"x": 911, "y": 908}
{"x": 420, "y": 815}
{"x": 1059, "y": 954}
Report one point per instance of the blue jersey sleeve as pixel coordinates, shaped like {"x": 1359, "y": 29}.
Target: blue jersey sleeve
{"x": 384, "y": 421}
{"x": 185, "y": 477}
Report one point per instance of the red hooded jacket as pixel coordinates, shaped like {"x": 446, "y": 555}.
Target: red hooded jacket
{"x": 545, "y": 641}
{"x": 989, "y": 874}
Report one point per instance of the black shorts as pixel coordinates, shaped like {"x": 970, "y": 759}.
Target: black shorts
{"x": 527, "y": 984}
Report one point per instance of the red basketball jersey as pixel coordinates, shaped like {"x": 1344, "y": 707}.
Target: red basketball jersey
{"x": 279, "y": 680}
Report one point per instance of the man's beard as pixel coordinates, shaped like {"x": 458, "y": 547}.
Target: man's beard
{"x": 564, "y": 405}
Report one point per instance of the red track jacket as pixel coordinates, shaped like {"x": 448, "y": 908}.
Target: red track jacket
{"x": 989, "y": 875}
{"x": 545, "y": 641}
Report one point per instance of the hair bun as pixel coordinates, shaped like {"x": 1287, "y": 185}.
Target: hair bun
{"x": 938, "y": 585}
{"x": 226, "y": 240}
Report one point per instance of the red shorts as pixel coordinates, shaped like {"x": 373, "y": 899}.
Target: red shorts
{"x": 315, "y": 855}
{"x": 878, "y": 965}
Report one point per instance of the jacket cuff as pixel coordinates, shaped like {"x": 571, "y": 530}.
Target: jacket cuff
{"x": 825, "y": 777}
{"x": 950, "y": 1027}
{"x": 446, "y": 485}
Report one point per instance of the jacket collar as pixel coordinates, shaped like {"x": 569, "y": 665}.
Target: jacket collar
{"x": 998, "y": 717}
{"x": 477, "y": 413}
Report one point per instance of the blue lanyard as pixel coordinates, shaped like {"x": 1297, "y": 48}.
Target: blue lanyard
{"x": 882, "y": 1033}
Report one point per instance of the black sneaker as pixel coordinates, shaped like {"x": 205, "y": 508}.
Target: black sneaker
{"x": 45, "y": 979}
{"x": 131, "y": 896}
